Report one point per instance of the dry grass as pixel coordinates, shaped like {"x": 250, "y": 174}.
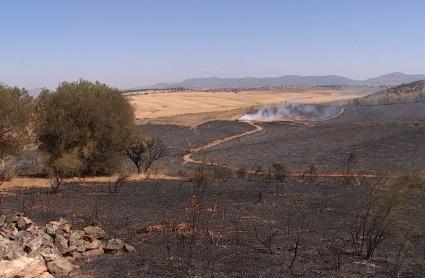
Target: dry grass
{"x": 28, "y": 182}
{"x": 191, "y": 108}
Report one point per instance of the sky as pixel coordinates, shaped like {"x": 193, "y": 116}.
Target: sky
{"x": 131, "y": 43}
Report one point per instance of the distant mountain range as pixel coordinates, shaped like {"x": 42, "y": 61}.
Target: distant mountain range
{"x": 391, "y": 79}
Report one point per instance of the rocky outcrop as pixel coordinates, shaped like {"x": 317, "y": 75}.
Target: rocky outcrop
{"x": 28, "y": 250}
{"x": 24, "y": 267}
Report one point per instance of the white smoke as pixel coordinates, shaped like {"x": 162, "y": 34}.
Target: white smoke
{"x": 293, "y": 112}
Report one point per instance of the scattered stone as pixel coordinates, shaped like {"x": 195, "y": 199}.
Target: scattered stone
{"x": 66, "y": 228}
{"x": 114, "y": 244}
{"x": 62, "y": 221}
{"x": 61, "y": 241}
{"x": 82, "y": 245}
{"x": 31, "y": 243}
{"x": 93, "y": 253}
{"x": 24, "y": 267}
{"x": 75, "y": 237}
{"x": 95, "y": 244}
{"x": 27, "y": 250}
{"x": 2, "y": 220}
{"x": 23, "y": 223}
{"x": 129, "y": 248}
{"x": 10, "y": 250}
{"x": 60, "y": 267}
{"x": 76, "y": 255}
{"x": 51, "y": 228}
{"x": 33, "y": 229}
{"x": 11, "y": 231}
{"x": 95, "y": 232}
{"x": 12, "y": 218}
{"x": 49, "y": 254}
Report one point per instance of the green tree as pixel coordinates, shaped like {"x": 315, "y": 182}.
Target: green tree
{"x": 83, "y": 127}
{"x": 15, "y": 115}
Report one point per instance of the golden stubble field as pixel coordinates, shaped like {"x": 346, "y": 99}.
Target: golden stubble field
{"x": 191, "y": 108}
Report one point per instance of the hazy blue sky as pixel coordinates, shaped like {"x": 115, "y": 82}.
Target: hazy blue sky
{"x": 129, "y": 43}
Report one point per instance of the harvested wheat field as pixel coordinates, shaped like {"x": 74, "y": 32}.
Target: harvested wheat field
{"x": 191, "y": 108}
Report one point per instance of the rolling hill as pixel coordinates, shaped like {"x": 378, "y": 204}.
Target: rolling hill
{"x": 410, "y": 92}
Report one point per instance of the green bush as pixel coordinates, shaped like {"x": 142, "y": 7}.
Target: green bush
{"x": 16, "y": 108}
{"x": 83, "y": 124}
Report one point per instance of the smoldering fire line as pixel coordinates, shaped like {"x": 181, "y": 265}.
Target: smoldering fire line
{"x": 294, "y": 112}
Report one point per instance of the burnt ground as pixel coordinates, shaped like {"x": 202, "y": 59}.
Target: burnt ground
{"x": 237, "y": 213}
{"x": 180, "y": 139}
{"x": 385, "y": 138}
{"x": 319, "y": 213}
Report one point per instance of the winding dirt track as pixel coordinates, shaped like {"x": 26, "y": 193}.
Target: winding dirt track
{"x": 257, "y": 128}
{"x": 188, "y": 157}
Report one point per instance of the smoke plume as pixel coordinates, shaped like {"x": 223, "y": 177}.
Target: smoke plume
{"x": 293, "y": 112}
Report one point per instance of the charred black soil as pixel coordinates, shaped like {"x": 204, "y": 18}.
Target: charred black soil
{"x": 385, "y": 138}
{"x": 248, "y": 225}
{"x": 235, "y": 216}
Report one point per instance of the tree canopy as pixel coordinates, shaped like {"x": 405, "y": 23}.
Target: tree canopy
{"x": 83, "y": 126}
{"x": 15, "y": 115}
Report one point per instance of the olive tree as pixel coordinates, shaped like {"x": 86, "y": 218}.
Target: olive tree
{"x": 15, "y": 116}
{"x": 83, "y": 127}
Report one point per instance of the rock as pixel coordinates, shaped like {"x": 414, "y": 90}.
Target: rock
{"x": 24, "y": 267}
{"x": 2, "y": 220}
{"x": 49, "y": 254}
{"x": 95, "y": 232}
{"x": 46, "y": 275}
{"x": 34, "y": 229}
{"x": 31, "y": 243}
{"x": 129, "y": 248}
{"x": 27, "y": 250}
{"x": 3, "y": 232}
{"x": 114, "y": 244}
{"x": 82, "y": 245}
{"x": 64, "y": 225}
{"x": 62, "y": 221}
{"x": 60, "y": 267}
{"x": 10, "y": 250}
{"x": 75, "y": 237}
{"x": 95, "y": 244}
{"x": 66, "y": 228}
{"x": 23, "y": 223}
{"x": 93, "y": 253}
{"x": 76, "y": 255}
{"x": 48, "y": 240}
{"x": 12, "y": 218}
{"x": 52, "y": 227}
{"x": 62, "y": 244}
{"x": 10, "y": 231}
